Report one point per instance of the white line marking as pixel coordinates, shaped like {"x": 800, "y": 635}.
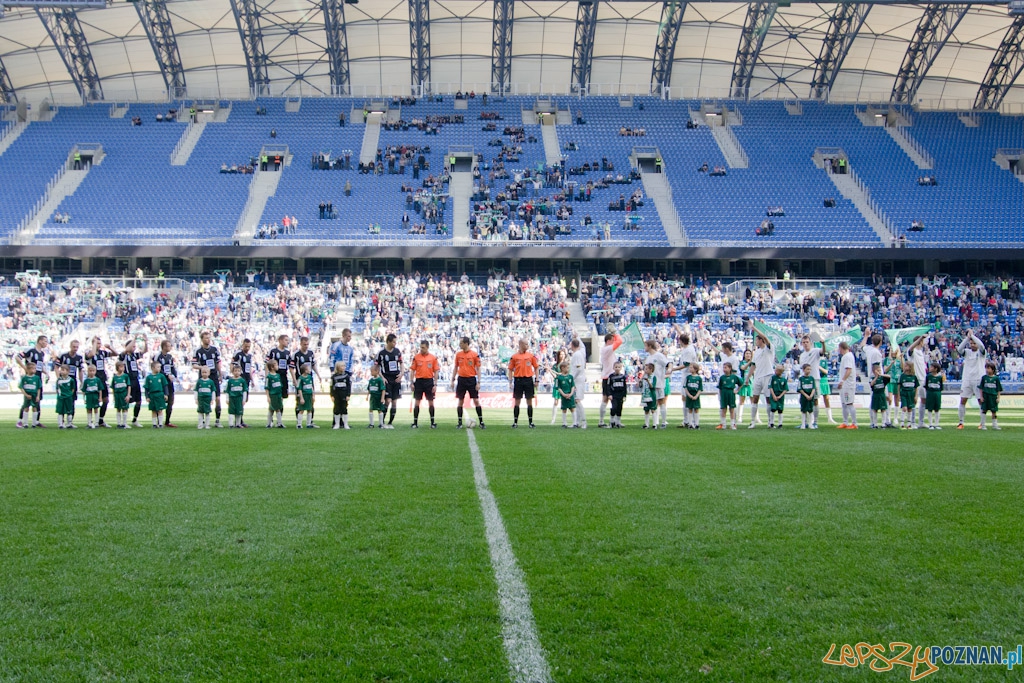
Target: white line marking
{"x": 522, "y": 646}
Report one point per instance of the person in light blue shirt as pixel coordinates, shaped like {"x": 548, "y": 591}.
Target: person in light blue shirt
{"x": 341, "y": 352}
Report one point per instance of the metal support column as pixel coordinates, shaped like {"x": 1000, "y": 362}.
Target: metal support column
{"x": 65, "y": 31}
{"x": 247, "y": 17}
{"x": 157, "y": 24}
{"x": 665, "y": 46}
{"x": 583, "y": 47}
{"x": 501, "y": 48}
{"x": 337, "y": 45}
{"x": 937, "y": 24}
{"x": 7, "y": 95}
{"x": 842, "y": 30}
{"x": 419, "y": 36}
{"x": 755, "y": 27}
{"x": 1006, "y": 66}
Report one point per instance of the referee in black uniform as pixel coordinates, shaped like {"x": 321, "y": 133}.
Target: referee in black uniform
{"x": 98, "y": 356}
{"x": 207, "y": 356}
{"x": 130, "y": 357}
{"x": 302, "y": 357}
{"x": 284, "y": 359}
{"x": 74, "y": 361}
{"x": 243, "y": 359}
{"x": 166, "y": 361}
{"x": 389, "y": 359}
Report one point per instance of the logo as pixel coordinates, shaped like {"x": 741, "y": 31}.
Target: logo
{"x": 921, "y": 661}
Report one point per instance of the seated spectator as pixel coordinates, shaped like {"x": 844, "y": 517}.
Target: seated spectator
{"x": 348, "y": 188}
{"x": 159, "y": 117}
{"x": 703, "y": 168}
{"x": 917, "y": 226}
{"x": 718, "y": 172}
{"x": 273, "y": 132}
{"x": 766, "y": 229}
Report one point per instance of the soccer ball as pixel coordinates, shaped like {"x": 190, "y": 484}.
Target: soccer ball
{"x": 471, "y": 423}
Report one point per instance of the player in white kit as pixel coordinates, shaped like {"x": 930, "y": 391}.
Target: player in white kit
{"x": 687, "y": 357}
{"x": 612, "y": 342}
{"x": 764, "y": 368}
{"x": 847, "y": 386}
{"x": 973, "y": 352}
{"x": 578, "y": 370}
{"x": 660, "y": 362}
{"x": 920, "y": 361}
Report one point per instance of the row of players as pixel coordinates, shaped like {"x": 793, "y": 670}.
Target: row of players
{"x": 758, "y": 375}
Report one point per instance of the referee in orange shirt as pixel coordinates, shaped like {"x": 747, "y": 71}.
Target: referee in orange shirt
{"x": 424, "y": 371}
{"x": 467, "y": 371}
{"x": 523, "y": 367}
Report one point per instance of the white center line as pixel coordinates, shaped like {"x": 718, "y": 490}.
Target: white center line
{"x": 519, "y": 632}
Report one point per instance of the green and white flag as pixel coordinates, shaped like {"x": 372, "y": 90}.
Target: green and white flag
{"x": 851, "y": 337}
{"x": 504, "y": 354}
{"x": 782, "y": 343}
{"x": 632, "y": 339}
{"x": 907, "y": 334}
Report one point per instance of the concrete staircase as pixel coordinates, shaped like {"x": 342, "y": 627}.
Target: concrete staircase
{"x": 188, "y": 141}
{"x": 660, "y": 192}
{"x": 552, "y": 151}
{"x": 371, "y": 136}
{"x": 730, "y": 145}
{"x": 12, "y": 133}
{"x": 262, "y": 187}
{"x": 581, "y": 327}
{"x": 461, "y": 190}
{"x": 913, "y": 149}
{"x": 63, "y": 185}
{"x": 852, "y": 188}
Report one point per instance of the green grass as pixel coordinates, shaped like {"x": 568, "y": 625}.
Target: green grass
{"x": 361, "y": 556}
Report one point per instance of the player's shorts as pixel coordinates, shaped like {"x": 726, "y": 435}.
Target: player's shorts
{"x": 807, "y": 405}
{"x": 692, "y": 403}
{"x": 879, "y": 401}
{"x": 236, "y": 406}
{"x": 746, "y": 391}
{"x": 893, "y": 388}
{"x": 121, "y": 401}
{"x": 847, "y": 393}
{"x": 423, "y": 388}
{"x": 29, "y": 404}
{"x": 467, "y": 385}
{"x": 969, "y": 388}
{"x": 216, "y": 384}
{"x": 989, "y": 403}
{"x": 581, "y": 390}
{"x": 660, "y": 390}
{"x": 392, "y": 389}
{"x": 776, "y": 406}
{"x": 933, "y": 401}
{"x": 284, "y": 384}
{"x": 92, "y": 401}
{"x": 921, "y": 392}
{"x": 275, "y": 404}
{"x": 569, "y": 403}
{"x": 726, "y": 400}
{"x": 135, "y": 392}
{"x": 523, "y": 387}
{"x": 606, "y": 387}
{"x": 650, "y": 406}
{"x": 157, "y": 403}
{"x": 203, "y": 407}
{"x": 761, "y": 385}
{"x": 907, "y": 400}
{"x": 65, "y": 406}
{"x": 824, "y": 387}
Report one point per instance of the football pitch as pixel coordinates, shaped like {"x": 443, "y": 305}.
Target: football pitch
{"x": 278, "y": 555}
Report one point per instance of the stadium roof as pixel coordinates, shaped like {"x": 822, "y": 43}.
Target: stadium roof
{"x": 938, "y": 54}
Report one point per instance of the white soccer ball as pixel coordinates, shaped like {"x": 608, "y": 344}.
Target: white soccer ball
{"x": 471, "y": 423}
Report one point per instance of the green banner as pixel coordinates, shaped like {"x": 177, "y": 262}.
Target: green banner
{"x": 906, "y": 334}
{"x": 851, "y": 337}
{"x": 782, "y": 343}
{"x": 504, "y": 354}
{"x": 632, "y": 339}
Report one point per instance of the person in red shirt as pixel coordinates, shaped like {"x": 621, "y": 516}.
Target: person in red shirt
{"x": 424, "y": 371}
{"x": 467, "y": 371}
{"x": 523, "y": 367}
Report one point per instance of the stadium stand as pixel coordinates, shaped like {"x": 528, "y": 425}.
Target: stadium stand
{"x": 136, "y": 196}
